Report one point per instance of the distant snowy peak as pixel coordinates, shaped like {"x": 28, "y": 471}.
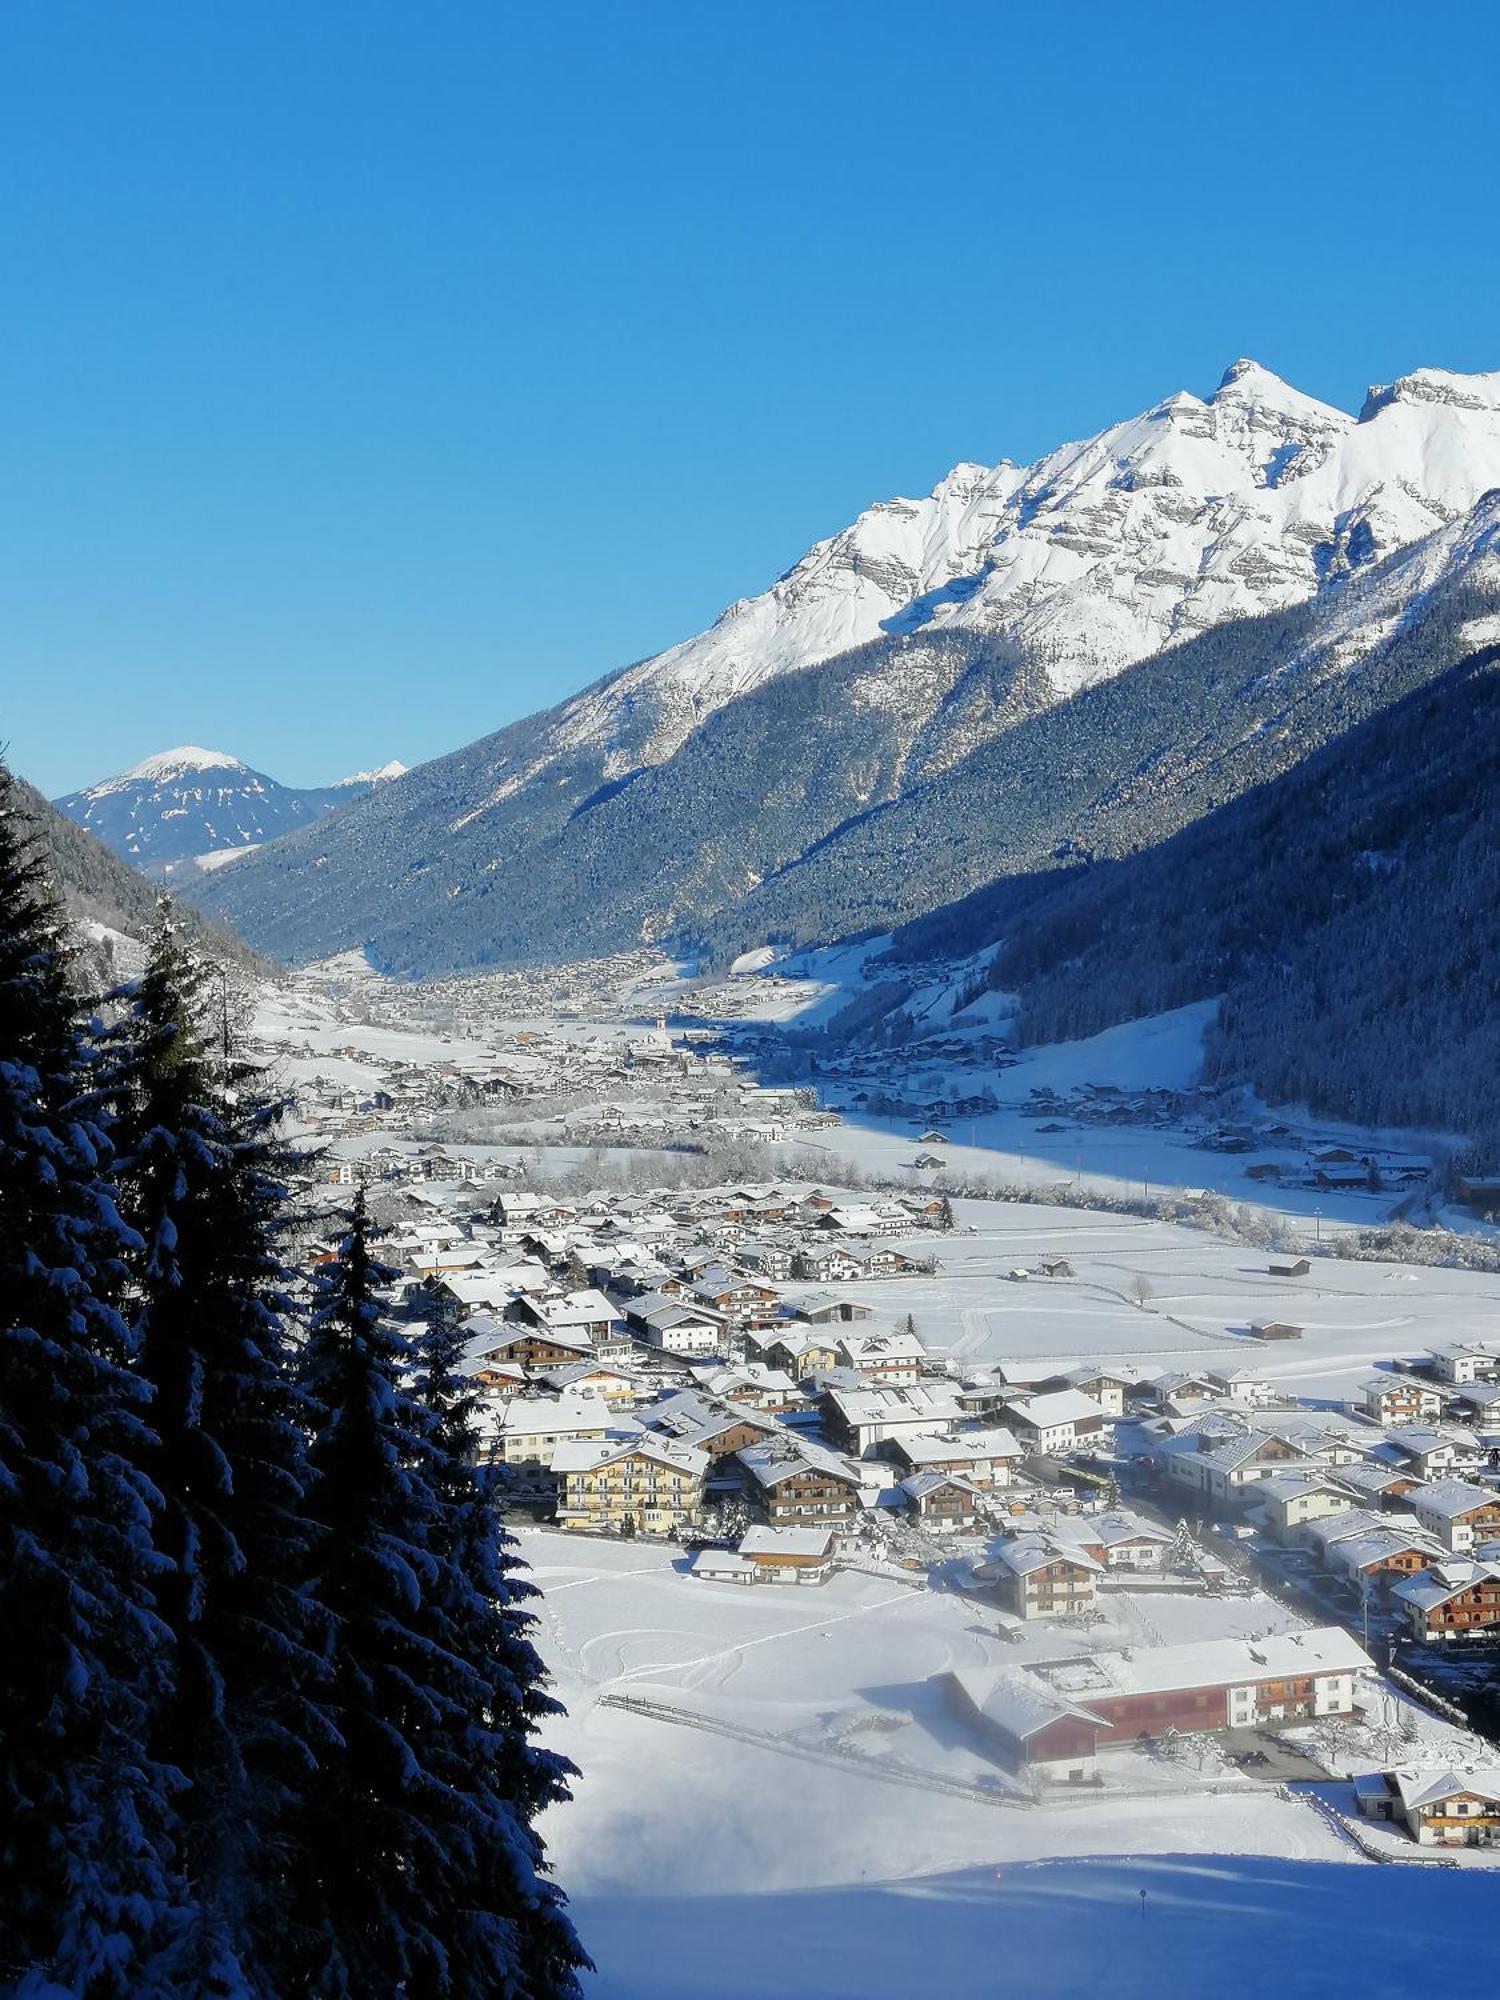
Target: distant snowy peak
{"x": 1196, "y": 511}
{"x": 181, "y": 808}
{"x": 174, "y": 764}
{"x": 366, "y": 778}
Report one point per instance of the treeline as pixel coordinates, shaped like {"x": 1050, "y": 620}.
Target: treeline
{"x": 268, "y": 1700}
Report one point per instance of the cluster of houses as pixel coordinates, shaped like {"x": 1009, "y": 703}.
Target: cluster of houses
{"x": 644, "y": 1088}
{"x": 1396, "y": 1502}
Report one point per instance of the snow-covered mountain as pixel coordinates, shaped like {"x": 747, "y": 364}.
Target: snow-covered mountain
{"x": 1103, "y": 551}
{"x": 758, "y": 771}
{"x": 191, "y": 804}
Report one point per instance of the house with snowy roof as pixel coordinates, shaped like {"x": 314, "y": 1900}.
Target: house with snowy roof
{"x": 1454, "y": 1599}
{"x": 1442, "y": 1808}
{"x": 1458, "y": 1513}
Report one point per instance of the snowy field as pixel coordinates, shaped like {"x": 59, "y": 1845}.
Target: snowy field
{"x": 801, "y": 1815}
{"x": 1204, "y": 1295}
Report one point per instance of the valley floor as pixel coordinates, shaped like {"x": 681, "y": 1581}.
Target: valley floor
{"x": 776, "y": 1798}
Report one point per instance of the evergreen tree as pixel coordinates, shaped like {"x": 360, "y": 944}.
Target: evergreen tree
{"x": 200, "y": 1171}
{"x": 372, "y": 1831}
{"x": 507, "y": 1930}
{"x": 91, "y": 1900}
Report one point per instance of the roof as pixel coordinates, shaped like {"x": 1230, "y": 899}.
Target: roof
{"x": 1449, "y": 1499}
{"x": 1445, "y": 1580}
{"x": 530, "y": 1416}
{"x": 1031, "y": 1552}
{"x": 1376, "y": 1544}
{"x": 588, "y": 1455}
{"x": 1326, "y": 1649}
{"x": 1292, "y": 1484}
{"x": 759, "y": 1542}
{"x": 1018, "y": 1704}
{"x": 1063, "y": 1406}
{"x": 920, "y": 1484}
{"x": 780, "y": 1459}
{"x": 1422, "y": 1789}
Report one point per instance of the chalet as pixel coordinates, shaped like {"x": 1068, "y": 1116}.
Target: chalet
{"x": 1432, "y": 1453}
{"x": 612, "y": 1385}
{"x": 1399, "y": 1399}
{"x": 1241, "y": 1387}
{"x": 983, "y": 1457}
{"x": 1231, "y": 1471}
{"x": 1437, "y": 1808}
{"x": 528, "y": 1348}
{"x": 584, "y": 1315}
{"x": 1039, "y": 1578}
{"x": 676, "y": 1328}
{"x": 1458, "y": 1514}
{"x": 1296, "y": 1267}
{"x": 1054, "y": 1267}
{"x": 1464, "y": 1362}
{"x": 859, "y": 1419}
{"x": 828, "y": 1308}
{"x": 495, "y": 1378}
{"x": 944, "y": 1499}
{"x": 1121, "y": 1539}
{"x": 1275, "y": 1329}
{"x": 735, "y": 1297}
{"x": 1063, "y": 1421}
{"x": 646, "y": 1485}
{"x": 1379, "y": 1485}
{"x": 771, "y": 1555}
{"x": 1380, "y": 1558}
{"x": 757, "y": 1387}
{"x": 883, "y": 1357}
{"x": 792, "y": 1481}
{"x": 1456, "y": 1599}
{"x": 490, "y": 1287}
{"x": 799, "y": 1355}
{"x": 1107, "y": 1387}
{"x": 1292, "y": 1500}
{"x": 710, "y": 1424}
{"x": 861, "y": 1219}
{"x": 771, "y": 1262}
{"x": 1478, "y": 1403}
{"x": 826, "y": 1264}
{"x": 880, "y": 1260}
{"x": 1180, "y": 1390}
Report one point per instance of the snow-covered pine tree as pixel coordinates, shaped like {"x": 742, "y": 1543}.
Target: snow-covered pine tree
{"x": 201, "y": 1183}
{"x": 506, "y": 1926}
{"x": 366, "y": 1910}
{"x": 92, "y": 1901}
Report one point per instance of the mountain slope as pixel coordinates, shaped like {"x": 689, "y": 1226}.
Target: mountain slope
{"x": 188, "y": 803}
{"x": 1344, "y": 911}
{"x": 759, "y": 780}
{"x": 103, "y": 893}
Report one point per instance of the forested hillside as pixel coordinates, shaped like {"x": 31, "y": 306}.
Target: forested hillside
{"x": 1345, "y": 911}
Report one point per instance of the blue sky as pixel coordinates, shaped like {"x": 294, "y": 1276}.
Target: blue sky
{"x": 374, "y": 374}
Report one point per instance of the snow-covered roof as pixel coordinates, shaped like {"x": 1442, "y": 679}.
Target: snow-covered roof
{"x": 1447, "y": 1579}
{"x": 766, "y": 1542}
{"x": 1449, "y": 1499}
